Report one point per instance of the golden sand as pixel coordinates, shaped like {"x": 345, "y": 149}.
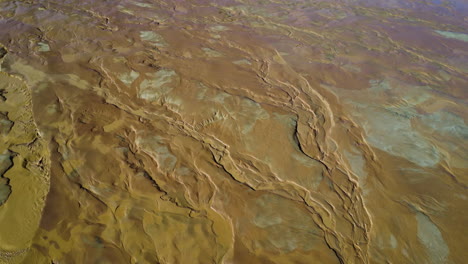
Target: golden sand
{"x": 233, "y": 132}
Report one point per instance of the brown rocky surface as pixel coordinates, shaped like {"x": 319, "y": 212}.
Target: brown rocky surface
{"x": 233, "y": 131}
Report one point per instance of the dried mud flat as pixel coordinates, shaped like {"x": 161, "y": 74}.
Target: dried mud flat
{"x": 233, "y": 131}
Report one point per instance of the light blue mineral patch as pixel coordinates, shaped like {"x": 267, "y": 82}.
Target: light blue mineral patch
{"x": 242, "y": 62}
{"x": 153, "y": 37}
{"x": 431, "y": 237}
{"x": 393, "y": 241}
{"x": 218, "y": 28}
{"x": 285, "y": 232}
{"x": 143, "y": 4}
{"x": 159, "y": 84}
{"x": 43, "y": 47}
{"x": 124, "y": 10}
{"x": 212, "y": 53}
{"x": 379, "y": 85}
{"x": 446, "y": 123}
{"x": 253, "y": 112}
{"x": 157, "y": 148}
{"x": 129, "y": 77}
{"x": 357, "y": 163}
{"x": 394, "y": 134}
{"x": 453, "y": 35}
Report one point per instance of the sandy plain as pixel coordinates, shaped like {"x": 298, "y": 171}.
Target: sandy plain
{"x": 233, "y": 131}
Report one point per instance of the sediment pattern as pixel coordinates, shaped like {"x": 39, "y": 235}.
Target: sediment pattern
{"x": 24, "y": 169}
{"x": 233, "y": 131}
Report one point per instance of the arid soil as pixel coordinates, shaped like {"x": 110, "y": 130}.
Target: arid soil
{"x": 233, "y": 131}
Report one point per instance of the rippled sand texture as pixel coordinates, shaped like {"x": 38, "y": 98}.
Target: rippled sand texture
{"x": 24, "y": 160}
{"x": 234, "y": 131}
